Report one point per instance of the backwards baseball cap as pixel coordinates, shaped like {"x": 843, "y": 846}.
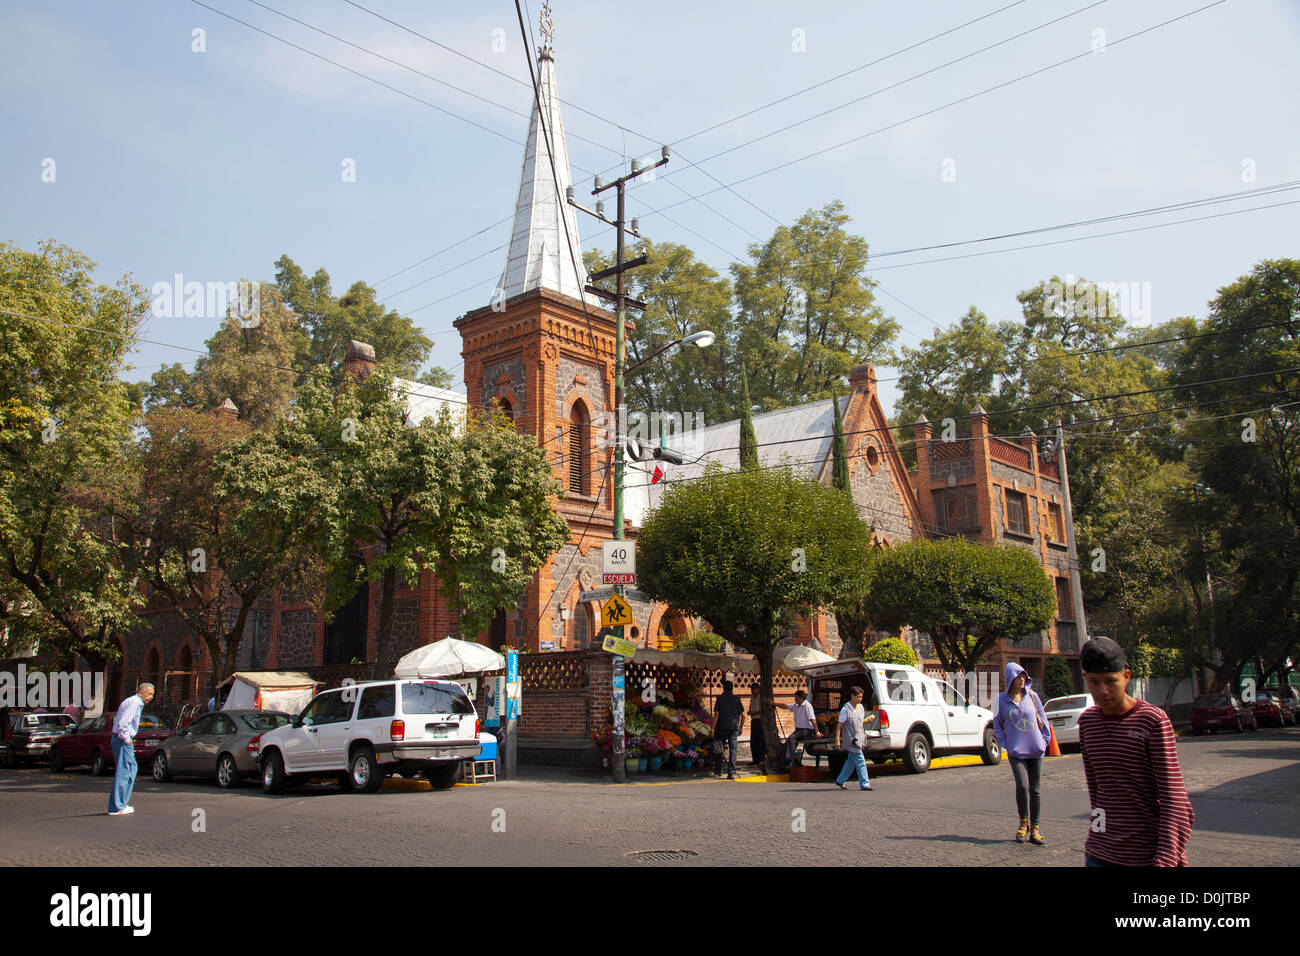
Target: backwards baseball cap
{"x": 1101, "y": 655}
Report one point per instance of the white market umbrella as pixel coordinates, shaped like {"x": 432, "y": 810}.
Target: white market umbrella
{"x": 449, "y": 658}
{"x": 799, "y": 655}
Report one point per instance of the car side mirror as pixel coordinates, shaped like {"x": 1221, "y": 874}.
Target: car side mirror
{"x": 297, "y": 722}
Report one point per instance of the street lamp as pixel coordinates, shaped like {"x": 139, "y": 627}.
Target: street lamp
{"x": 701, "y": 339}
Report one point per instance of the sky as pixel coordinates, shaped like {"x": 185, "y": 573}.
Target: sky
{"x": 160, "y": 137}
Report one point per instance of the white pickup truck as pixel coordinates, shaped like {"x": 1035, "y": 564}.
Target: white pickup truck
{"x": 909, "y": 714}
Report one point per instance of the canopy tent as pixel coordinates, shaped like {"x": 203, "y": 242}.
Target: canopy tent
{"x": 798, "y": 655}
{"x": 285, "y": 691}
{"x": 449, "y": 657}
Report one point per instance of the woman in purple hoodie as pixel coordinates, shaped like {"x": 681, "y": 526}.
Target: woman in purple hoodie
{"x": 1023, "y": 734}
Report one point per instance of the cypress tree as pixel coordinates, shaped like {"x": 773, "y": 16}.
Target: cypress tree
{"x": 839, "y": 455}
{"x": 748, "y": 441}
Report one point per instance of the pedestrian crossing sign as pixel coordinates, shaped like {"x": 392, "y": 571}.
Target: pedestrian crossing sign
{"x": 615, "y": 612}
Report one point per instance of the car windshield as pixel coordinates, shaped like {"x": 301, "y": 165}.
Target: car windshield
{"x": 1067, "y": 703}
{"x": 434, "y": 699}
{"x": 264, "y": 722}
{"x": 1211, "y": 701}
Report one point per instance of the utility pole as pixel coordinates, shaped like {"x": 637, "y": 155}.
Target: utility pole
{"x": 620, "y": 304}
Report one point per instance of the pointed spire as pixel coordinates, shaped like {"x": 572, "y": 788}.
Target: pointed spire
{"x": 839, "y": 454}
{"x": 748, "y": 440}
{"x": 545, "y": 250}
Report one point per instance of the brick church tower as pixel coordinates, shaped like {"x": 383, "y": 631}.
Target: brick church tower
{"x": 543, "y": 349}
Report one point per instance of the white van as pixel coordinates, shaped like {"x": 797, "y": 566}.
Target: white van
{"x": 909, "y": 714}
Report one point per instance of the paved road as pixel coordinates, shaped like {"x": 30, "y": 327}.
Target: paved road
{"x": 1244, "y": 789}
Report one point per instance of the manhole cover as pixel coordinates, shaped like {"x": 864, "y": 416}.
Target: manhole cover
{"x": 661, "y": 856}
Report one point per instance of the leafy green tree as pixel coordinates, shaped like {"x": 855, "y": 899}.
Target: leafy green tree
{"x": 1250, "y": 521}
{"x": 65, "y": 432}
{"x": 966, "y": 596}
{"x": 749, "y": 551}
{"x": 1057, "y": 680}
{"x": 192, "y": 541}
{"x": 890, "y": 650}
{"x": 806, "y": 312}
{"x": 682, "y": 295}
{"x": 329, "y": 322}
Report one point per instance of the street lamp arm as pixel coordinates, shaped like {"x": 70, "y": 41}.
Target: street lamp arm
{"x": 701, "y": 339}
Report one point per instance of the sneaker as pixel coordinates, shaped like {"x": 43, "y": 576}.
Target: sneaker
{"x": 1023, "y": 831}
{"x": 1036, "y": 837}
{"x": 120, "y": 813}
{"x": 731, "y": 776}
{"x": 838, "y": 784}
{"x": 867, "y": 787}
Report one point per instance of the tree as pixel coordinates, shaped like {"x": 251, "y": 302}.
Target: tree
{"x": 839, "y": 454}
{"x": 890, "y": 650}
{"x": 966, "y": 596}
{"x": 1250, "y": 520}
{"x": 192, "y": 542}
{"x": 748, "y": 440}
{"x": 329, "y": 323}
{"x": 1057, "y": 680}
{"x": 749, "y": 551}
{"x": 65, "y": 431}
{"x": 806, "y": 312}
{"x": 682, "y": 295}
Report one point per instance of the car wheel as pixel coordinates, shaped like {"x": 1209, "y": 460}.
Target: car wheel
{"x": 56, "y": 761}
{"x": 273, "y": 773}
{"x": 445, "y": 776}
{"x": 991, "y": 752}
{"x": 363, "y": 771}
{"x": 916, "y": 753}
{"x": 1239, "y": 727}
{"x": 161, "y": 773}
{"x": 227, "y": 772}
{"x": 98, "y": 765}
{"x": 1254, "y": 724}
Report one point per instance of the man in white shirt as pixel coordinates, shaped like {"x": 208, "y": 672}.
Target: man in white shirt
{"x": 850, "y": 734}
{"x": 126, "y": 724}
{"x": 805, "y": 725}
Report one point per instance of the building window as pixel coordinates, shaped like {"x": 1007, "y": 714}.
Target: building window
{"x": 581, "y": 627}
{"x": 955, "y": 509}
{"x": 1055, "y": 523}
{"x": 1064, "y": 606}
{"x": 1017, "y": 513}
{"x": 577, "y": 449}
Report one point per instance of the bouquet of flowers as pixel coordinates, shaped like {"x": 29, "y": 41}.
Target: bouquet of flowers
{"x": 671, "y": 739}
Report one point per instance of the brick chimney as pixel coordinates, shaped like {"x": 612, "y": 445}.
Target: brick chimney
{"x": 862, "y": 378}
{"x": 359, "y": 361}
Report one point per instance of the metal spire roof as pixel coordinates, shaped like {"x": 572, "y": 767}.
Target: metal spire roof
{"x": 542, "y": 252}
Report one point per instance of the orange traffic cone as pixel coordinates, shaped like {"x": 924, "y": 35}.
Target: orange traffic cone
{"x": 1053, "y": 748}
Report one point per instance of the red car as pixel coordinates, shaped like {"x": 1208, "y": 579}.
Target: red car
{"x": 91, "y": 743}
{"x": 1221, "y": 712}
{"x": 1274, "y": 708}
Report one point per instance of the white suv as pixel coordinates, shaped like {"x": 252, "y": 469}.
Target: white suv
{"x": 909, "y": 714}
{"x": 364, "y": 732}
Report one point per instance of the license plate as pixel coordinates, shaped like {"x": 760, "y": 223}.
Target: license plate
{"x": 440, "y": 734}
{"x": 151, "y": 743}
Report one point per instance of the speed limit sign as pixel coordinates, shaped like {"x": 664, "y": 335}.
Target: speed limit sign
{"x": 618, "y": 562}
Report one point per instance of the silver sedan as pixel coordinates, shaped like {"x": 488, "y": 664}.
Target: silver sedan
{"x": 216, "y": 745}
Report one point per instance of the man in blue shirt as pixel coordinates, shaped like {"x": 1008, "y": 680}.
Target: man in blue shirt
{"x": 126, "y": 724}
{"x": 730, "y": 713}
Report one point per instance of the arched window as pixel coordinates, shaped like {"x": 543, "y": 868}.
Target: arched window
{"x": 578, "y": 447}
{"x": 581, "y": 627}
{"x": 153, "y": 669}
{"x": 504, "y": 404}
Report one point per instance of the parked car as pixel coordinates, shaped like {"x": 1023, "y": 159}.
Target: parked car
{"x": 91, "y": 743}
{"x": 1289, "y": 696}
{"x": 221, "y": 745}
{"x": 31, "y": 735}
{"x": 364, "y": 732}
{"x": 1063, "y": 714}
{"x": 909, "y": 714}
{"x": 1221, "y": 712}
{"x": 1272, "y": 707}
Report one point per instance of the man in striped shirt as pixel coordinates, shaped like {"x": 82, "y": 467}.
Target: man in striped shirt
{"x": 1140, "y": 812}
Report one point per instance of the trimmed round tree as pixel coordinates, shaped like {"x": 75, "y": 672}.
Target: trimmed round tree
{"x": 966, "y": 596}
{"x": 748, "y": 551}
{"x": 891, "y": 650}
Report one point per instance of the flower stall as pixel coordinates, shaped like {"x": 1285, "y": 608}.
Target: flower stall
{"x": 672, "y": 732}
